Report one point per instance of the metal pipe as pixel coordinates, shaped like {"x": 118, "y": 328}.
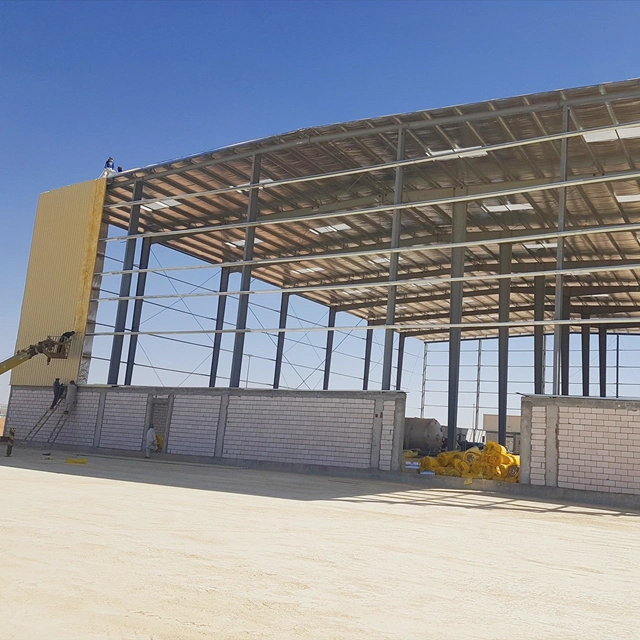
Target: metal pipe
{"x": 217, "y": 340}
{"x": 602, "y": 359}
{"x": 538, "y": 335}
{"x": 331, "y": 323}
{"x": 272, "y": 220}
{"x": 137, "y": 310}
{"x": 243, "y": 302}
{"x": 562, "y": 205}
{"x": 368, "y": 344}
{"x": 617, "y": 322}
{"x": 284, "y": 307}
{"x": 401, "y": 339}
{"x": 125, "y": 289}
{"x": 530, "y": 237}
{"x": 503, "y": 343}
{"x": 607, "y": 268}
{"x": 458, "y": 231}
{"x": 396, "y": 226}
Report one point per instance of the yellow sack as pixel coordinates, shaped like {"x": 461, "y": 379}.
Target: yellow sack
{"x": 446, "y": 458}
{"x": 461, "y": 467}
{"x": 470, "y": 455}
{"x": 428, "y": 464}
{"x": 494, "y": 447}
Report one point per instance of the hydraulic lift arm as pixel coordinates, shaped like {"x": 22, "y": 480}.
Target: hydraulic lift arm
{"x": 54, "y": 347}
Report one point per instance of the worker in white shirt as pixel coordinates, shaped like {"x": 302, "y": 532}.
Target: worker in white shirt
{"x": 150, "y": 442}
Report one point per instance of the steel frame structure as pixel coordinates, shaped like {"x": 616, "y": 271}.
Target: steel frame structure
{"x": 506, "y": 217}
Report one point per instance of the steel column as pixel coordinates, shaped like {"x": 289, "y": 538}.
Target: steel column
{"x": 476, "y": 412}
{"x": 393, "y": 266}
{"x": 618, "y": 366}
{"x": 401, "y": 339}
{"x": 602, "y": 359}
{"x": 585, "y": 333}
{"x": 503, "y": 342}
{"x": 423, "y": 390}
{"x": 562, "y": 206}
{"x": 137, "y": 309}
{"x": 217, "y": 339}
{"x": 125, "y": 288}
{"x": 329, "y": 348}
{"x": 538, "y": 335}
{"x": 565, "y": 340}
{"x": 368, "y": 343}
{"x": 245, "y": 284}
{"x": 458, "y": 233}
{"x": 284, "y": 307}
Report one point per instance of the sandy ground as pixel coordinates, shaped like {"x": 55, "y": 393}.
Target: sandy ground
{"x": 128, "y": 548}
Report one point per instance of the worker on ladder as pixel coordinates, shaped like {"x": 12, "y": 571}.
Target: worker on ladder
{"x": 71, "y": 397}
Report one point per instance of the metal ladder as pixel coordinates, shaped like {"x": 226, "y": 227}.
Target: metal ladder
{"x": 44, "y": 418}
{"x": 55, "y": 432}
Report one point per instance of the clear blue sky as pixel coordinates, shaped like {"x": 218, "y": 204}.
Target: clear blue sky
{"x": 148, "y": 81}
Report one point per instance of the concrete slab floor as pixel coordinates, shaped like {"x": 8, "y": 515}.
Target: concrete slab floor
{"x": 129, "y": 548}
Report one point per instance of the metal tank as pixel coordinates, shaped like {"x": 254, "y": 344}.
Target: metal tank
{"x": 425, "y": 434}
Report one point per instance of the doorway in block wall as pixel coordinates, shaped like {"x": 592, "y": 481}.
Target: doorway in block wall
{"x": 159, "y": 418}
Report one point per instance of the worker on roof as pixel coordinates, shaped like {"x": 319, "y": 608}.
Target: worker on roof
{"x": 108, "y": 170}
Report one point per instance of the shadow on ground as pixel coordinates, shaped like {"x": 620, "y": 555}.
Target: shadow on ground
{"x": 361, "y": 488}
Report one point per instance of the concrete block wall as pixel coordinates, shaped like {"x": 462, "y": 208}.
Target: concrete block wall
{"x": 123, "y": 421}
{"x": 350, "y": 429}
{"x": 331, "y": 431}
{"x": 79, "y": 429}
{"x": 194, "y": 424}
{"x": 581, "y": 443}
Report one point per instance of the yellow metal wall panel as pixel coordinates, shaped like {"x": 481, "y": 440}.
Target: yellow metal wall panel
{"x": 59, "y": 278}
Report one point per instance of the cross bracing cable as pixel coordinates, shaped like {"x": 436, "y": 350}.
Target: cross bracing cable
{"x": 384, "y": 284}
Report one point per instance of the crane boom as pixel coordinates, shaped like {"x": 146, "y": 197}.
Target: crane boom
{"x": 54, "y": 347}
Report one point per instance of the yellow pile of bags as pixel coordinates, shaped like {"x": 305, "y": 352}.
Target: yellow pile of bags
{"x": 494, "y": 463}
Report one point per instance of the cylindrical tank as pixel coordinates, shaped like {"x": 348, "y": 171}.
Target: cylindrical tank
{"x": 423, "y": 433}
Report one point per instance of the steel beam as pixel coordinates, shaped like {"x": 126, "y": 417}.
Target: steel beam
{"x": 585, "y": 332}
{"x": 565, "y": 343}
{"x": 366, "y": 131}
{"x": 401, "y": 339}
{"x": 245, "y": 284}
{"x": 562, "y": 207}
{"x": 217, "y": 339}
{"x": 396, "y": 226}
{"x": 368, "y": 344}
{"x": 125, "y": 289}
{"x": 282, "y": 324}
{"x": 459, "y": 228}
{"x": 137, "y": 310}
{"x": 503, "y": 343}
{"x": 602, "y": 359}
{"x": 329, "y": 348}
{"x": 538, "y": 335}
